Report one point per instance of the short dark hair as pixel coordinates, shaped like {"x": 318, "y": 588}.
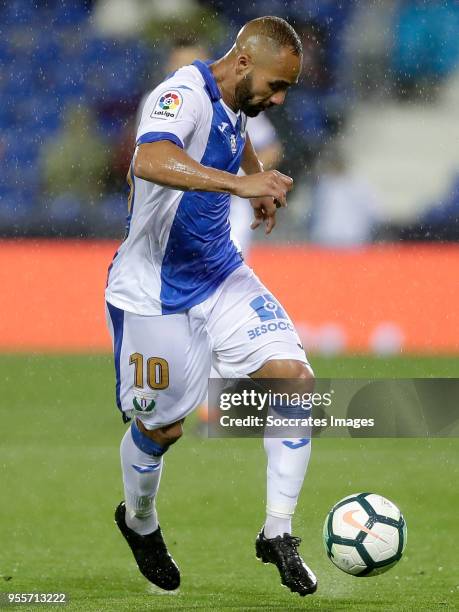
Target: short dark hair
{"x": 280, "y": 31}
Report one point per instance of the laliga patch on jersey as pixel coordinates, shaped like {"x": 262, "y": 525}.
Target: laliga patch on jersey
{"x": 168, "y": 105}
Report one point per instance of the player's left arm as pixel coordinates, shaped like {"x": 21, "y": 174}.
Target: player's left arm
{"x": 250, "y": 163}
{"x": 264, "y": 209}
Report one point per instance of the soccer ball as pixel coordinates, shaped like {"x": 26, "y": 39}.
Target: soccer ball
{"x": 364, "y": 534}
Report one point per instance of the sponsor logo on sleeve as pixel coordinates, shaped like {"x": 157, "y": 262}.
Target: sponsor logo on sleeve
{"x": 168, "y": 105}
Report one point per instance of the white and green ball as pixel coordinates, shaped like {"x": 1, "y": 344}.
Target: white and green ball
{"x": 364, "y": 534}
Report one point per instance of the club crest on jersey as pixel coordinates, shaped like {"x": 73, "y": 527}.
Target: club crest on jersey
{"x": 233, "y": 143}
{"x": 143, "y": 404}
{"x": 168, "y": 105}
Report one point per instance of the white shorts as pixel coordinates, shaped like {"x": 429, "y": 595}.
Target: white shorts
{"x": 163, "y": 362}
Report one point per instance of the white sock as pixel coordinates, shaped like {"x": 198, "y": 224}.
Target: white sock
{"x": 275, "y": 526}
{"x": 287, "y": 464}
{"x": 141, "y": 476}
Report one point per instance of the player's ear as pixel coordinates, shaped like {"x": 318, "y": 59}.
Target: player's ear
{"x": 243, "y": 64}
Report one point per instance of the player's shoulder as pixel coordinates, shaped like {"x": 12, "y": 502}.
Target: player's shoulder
{"x": 190, "y": 75}
{"x": 184, "y": 88}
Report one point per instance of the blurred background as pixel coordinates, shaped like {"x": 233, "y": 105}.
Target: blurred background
{"x": 370, "y": 136}
{"x": 365, "y": 259}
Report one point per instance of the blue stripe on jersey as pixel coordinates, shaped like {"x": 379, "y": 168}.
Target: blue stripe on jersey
{"x": 209, "y": 79}
{"x": 157, "y": 136}
{"x": 131, "y": 199}
{"x": 199, "y": 253}
{"x": 110, "y": 268}
{"x": 117, "y": 317}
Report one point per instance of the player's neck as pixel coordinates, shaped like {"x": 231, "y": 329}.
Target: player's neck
{"x": 221, "y": 69}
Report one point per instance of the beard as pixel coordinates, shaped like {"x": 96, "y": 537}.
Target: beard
{"x": 243, "y": 95}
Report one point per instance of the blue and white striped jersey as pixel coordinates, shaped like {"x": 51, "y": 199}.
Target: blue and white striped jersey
{"x": 178, "y": 248}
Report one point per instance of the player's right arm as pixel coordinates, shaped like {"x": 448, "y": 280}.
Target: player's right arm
{"x": 165, "y": 163}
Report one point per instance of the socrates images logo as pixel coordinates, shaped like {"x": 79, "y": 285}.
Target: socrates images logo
{"x": 169, "y": 101}
{"x": 267, "y": 308}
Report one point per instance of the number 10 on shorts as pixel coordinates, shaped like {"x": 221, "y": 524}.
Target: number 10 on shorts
{"x": 157, "y": 371}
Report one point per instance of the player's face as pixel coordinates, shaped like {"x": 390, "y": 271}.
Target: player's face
{"x": 266, "y": 86}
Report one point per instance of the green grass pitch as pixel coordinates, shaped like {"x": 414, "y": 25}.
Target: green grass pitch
{"x": 60, "y": 482}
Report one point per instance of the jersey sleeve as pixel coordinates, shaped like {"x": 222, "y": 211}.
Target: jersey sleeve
{"x": 171, "y": 112}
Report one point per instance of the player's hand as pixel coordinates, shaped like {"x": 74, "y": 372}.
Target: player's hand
{"x": 264, "y": 210}
{"x": 272, "y": 184}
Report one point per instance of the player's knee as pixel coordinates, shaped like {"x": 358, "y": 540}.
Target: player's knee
{"x": 164, "y": 436}
{"x": 286, "y": 368}
{"x": 172, "y": 432}
{"x": 299, "y": 370}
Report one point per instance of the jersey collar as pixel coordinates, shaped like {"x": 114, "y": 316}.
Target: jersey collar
{"x": 209, "y": 79}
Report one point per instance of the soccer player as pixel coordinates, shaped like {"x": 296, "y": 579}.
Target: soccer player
{"x": 180, "y": 298}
